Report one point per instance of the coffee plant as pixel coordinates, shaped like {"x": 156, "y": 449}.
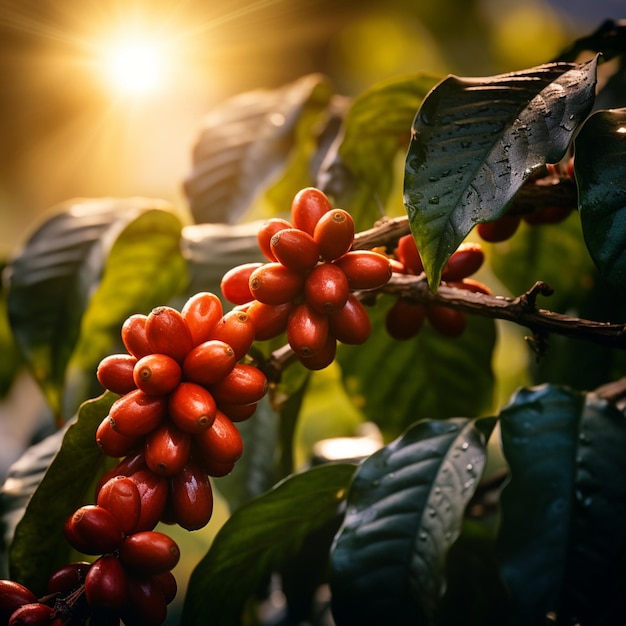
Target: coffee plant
{"x": 439, "y": 266}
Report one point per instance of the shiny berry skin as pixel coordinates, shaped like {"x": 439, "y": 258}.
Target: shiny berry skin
{"x": 106, "y": 584}
{"x": 326, "y": 288}
{"x": 234, "y": 284}
{"x": 239, "y": 412}
{"x": 245, "y": 384}
{"x": 350, "y": 324}
{"x": 168, "y": 333}
{"x": 221, "y": 443}
{"x": 446, "y": 321}
{"x": 167, "y": 449}
{"x": 273, "y": 283}
{"x": 153, "y": 490}
{"x": 269, "y": 320}
{"x": 167, "y": 583}
{"x": 157, "y": 374}
{"x": 469, "y": 284}
{"x": 307, "y": 330}
{"x": 32, "y": 614}
{"x": 500, "y": 229}
{"x": 115, "y": 373}
{"x": 323, "y": 357}
{"x": 334, "y": 234}
{"x": 136, "y": 413}
{"x": 92, "y": 529}
{"x": 119, "y": 495}
{"x": 407, "y": 253}
{"x": 201, "y": 313}
{"x": 67, "y": 578}
{"x": 12, "y": 596}
{"x": 235, "y": 329}
{"x": 464, "y": 261}
{"x": 134, "y": 335}
{"x": 191, "y": 497}
{"x": 209, "y": 362}
{"x": 113, "y": 443}
{"x": 192, "y": 407}
{"x": 149, "y": 552}
{"x": 404, "y": 319}
{"x": 295, "y": 249}
{"x": 365, "y": 269}
{"x": 265, "y": 233}
{"x": 307, "y": 207}
{"x": 147, "y": 605}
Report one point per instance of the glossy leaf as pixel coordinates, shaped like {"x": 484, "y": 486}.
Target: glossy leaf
{"x": 405, "y": 509}
{"x": 359, "y": 171}
{"x": 601, "y": 176}
{"x": 245, "y": 143}
{"x": 258, "y": 538}
{"x": 476, "y": 140}
{"x": 54, "y": 277}
{"x": 562, "y": 537}
{"x": 426, "y": 376}
{"x": 38, "y": 546}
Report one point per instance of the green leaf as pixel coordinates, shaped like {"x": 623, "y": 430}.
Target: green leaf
{"x": 53, "y": 278}
{"x": 601, "y": 177}
{"x": 377, "y": 126}
{"x": 405, "y": 509}
{"x": 562, "y": 540}
{"x": 476, "y": 140}
{"x": 258, "y": 538}
{"x": 398, "y": 382}
{"x": 38, "y": 546}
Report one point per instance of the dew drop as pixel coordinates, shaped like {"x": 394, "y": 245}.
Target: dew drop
{"x": 423, "y": 536}
{"x": 432, "y": 512}
{"x": 469, "y": 467}
{"x": 433, "y": 200}
{"x": 464, "y": 445}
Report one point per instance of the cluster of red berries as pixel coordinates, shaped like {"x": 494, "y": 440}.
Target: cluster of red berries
{"x": 307, "y": 287}
{"x": 406, "y": 317}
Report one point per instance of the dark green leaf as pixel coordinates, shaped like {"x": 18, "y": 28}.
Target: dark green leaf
{"x": 246, "y": 142}
{"x": 476, "y": 140}
{"x": 562, "y": 540}
{"x": 601, "y": 176}
{"x": 258, "y": 538}
{"x": 609, "y": 39}
{"x": 53, "y": 279}
{"x": 405, "y": 509}
{"x": 377, "y": 126}
{"x": 399, "y": 382}
{"x": 38, "y": 546}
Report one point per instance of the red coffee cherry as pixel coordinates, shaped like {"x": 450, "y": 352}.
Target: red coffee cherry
{"x": 446, "y": 321}
{"x": 157, "y": 374}
{"x": 307, "y": 330}
{"x": 32, "y": 614}
{"x": 106, "y": 584}
{"x": 238, "y": 412}
{"x": 119, "y": 495}
{"x": 405, "y": 319}
{"x": 136, "y": 413}
{"x": 265, "y": 233}
{"x": 168, "y": 333}
{"x": 464, "y": 261}
{"x": 167, "y": 449}
{"x": 222, "y": 443}
{"x": 326, "y": 288}
{"x": 167, "y": 583}
{"x": 307, "y": 207}
{"x": 92, "y": 529}
{"x": 245, "y": 384}
{"x": 192, "y": 407}
{"x": 149, "y": 552}
{"x": 295, "y": 249}
{"x": 12, "y": 596}
{"x": 215, "y": 468}
{"x": 323, "y": 357}
{"x": 269, "y": 320}
{"x": 115, "y": 373}
{"x": 235, "y": 329}
{"x": 201, "y": 313}
{"x": 500, "y": 229}
{"x": 111, "y": 442}
{"x": 470, "y": 284}
{"x": 153, "y": 490}
{"x": 209, "y": 362}
{"x": 407, "y": 253}
{"x": 365, "y": 269}
{"x": 134, "y": 335}
{"x": 191, "y": 497}
{"x": 350, "y": 324}
{"x": 273, "y": 283}
{"x": 547, "y": 215}
{"x": 147, "y": 605}
{"x": 234, "y": 284}
{"x": 334, "y": 234}
{"x": 67, "y": 578}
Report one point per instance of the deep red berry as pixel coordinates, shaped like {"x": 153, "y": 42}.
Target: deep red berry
{"x": 134, "y": 335}
{"x": 295, "y": 249}
{"x": 167, "y": 449}
{"x": 266, "y": 232}
{"x": 191, "y": 497}
{"x": 222, "y": 443}
{"x": 120, "y": 496}
{"x": 334, "y": 234}
{"x": 136, "y": 414}
{"x": 236, "y": 330}
{"x": 405, "y": 319}
{"x": 365, "y": 269}
{"x": 106, "y": 584}
{"x": 92, "y": 529}
{"x": 234, "y": 284}
{"x": 326, "y": 288}
{"x": 245, "y": 384}
{"x": 350, "y": 324}
{"x": 307, "y": 207}
{"x": 307, "y": 330}
{"x": 115, "y": 373}
{"x": 192, "y": 407}
{"x": 149, "y": 552}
